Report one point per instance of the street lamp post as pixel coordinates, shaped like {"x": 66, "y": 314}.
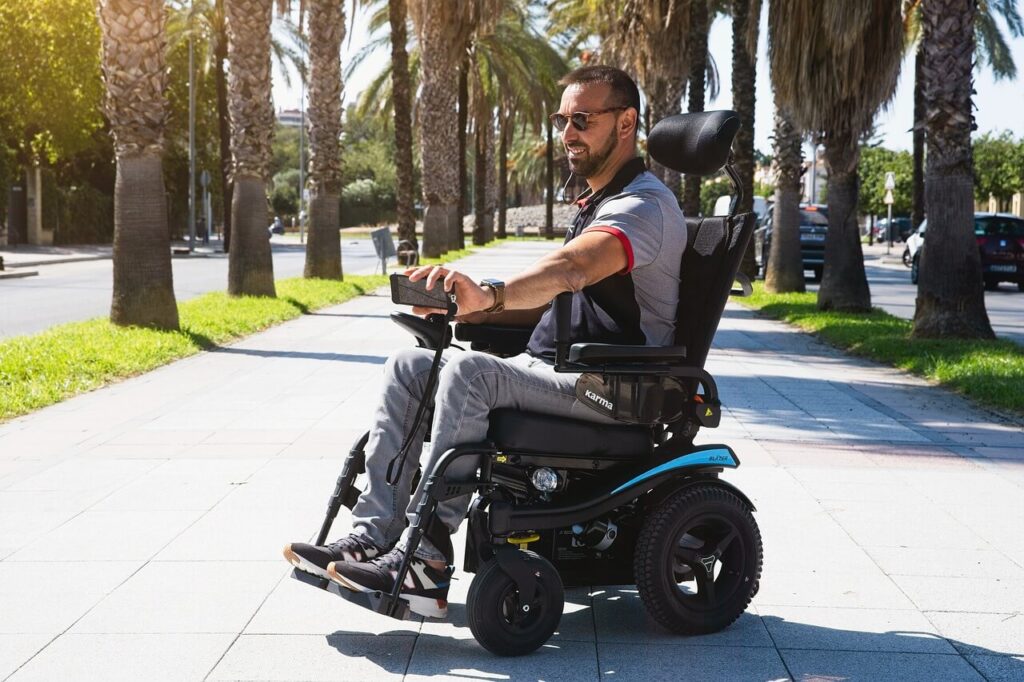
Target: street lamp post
{"x": 890, "y": 185}
{"x": 191, "y": 134}
{"x": 302, "y": 157}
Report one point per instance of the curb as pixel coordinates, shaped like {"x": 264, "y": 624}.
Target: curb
{"x": 7, "y": 274}
{"x": 56, "y": 261}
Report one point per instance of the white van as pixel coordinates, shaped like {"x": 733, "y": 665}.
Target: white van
{"x": 760, "y": 206}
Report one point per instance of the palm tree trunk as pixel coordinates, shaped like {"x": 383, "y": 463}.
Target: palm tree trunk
{"x": 326, "y": 31}
{"x": 397, "y": 11}
{"x": 917, "y": 212}
{"x": 135, "y": 79}
{"x": 549, "y": 183}
{"x": 223, "y": 120}
{"x": 479, "y": 182}
{"x": 699, "y": 24}
{"x": 784, "y": 271}
{"x": 504, "y": 128}
{"x": 143, "y": 281}
{"x": 665, "y": 101}
{"x": 490, "y": 182}
{"x": 439, "y": 61}
{"x": 844, "y": 286}
{"x": 459, "y": 238}
{"x": 950, "y": 294}
{"x": 744, "y": 73}
{"x": 250, "y": 265}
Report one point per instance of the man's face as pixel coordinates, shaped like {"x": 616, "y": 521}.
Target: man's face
{"x": 588, "y": 150}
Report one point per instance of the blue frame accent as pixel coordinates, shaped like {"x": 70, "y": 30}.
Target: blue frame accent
{"x": 718, "y": 456}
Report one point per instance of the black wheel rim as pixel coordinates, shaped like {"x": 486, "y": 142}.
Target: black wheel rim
{"x": 513, "y": 618}
{"x": 707, "y": 562}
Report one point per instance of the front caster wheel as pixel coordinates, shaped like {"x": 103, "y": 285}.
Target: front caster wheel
{"x": 501, "y": 620}
{"x": 698, "y": 560}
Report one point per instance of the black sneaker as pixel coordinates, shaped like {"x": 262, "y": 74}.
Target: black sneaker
{"x": 314, "y": 559}
{"x": 425, "y": 587}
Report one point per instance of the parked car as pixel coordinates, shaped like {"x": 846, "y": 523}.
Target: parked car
{"x": 1000, "y": 239}
{"x": 762, "y": 207}
{"x": 813, "y": 227}
{"x": 913, "y": 243}
{"x": 901, "y": 229}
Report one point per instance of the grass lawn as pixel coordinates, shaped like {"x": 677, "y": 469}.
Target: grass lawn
{"x": 45, "y": 368}
{"x": 991, "y": 372}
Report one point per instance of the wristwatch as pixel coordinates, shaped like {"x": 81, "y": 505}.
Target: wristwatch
{"x": 498, "y": 287}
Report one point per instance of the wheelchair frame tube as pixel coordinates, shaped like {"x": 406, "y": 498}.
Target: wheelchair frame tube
{"x": 503, "y": 519}
{"x": 354, "y": 465}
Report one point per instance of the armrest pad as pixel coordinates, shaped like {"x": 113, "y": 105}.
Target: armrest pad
{"x": 429, "y": 333}
{"x": 491, "y": 332}
{"x": 596, "y": 353}
{"x": 499, "y": 340}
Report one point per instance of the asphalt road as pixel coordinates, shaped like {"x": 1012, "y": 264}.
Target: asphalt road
{"x": 68, "y": 292}
{"x": 892, "y": 291}
{"x": 79, "y": 291}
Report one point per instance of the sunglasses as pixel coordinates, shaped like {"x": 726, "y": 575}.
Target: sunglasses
{"x": 580, "y": 119}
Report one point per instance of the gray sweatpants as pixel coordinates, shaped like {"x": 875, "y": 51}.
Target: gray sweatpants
{"x": 470, "y": 385}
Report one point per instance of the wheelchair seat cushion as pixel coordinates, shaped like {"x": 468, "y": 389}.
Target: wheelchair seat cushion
{"x": 517, "y": 431}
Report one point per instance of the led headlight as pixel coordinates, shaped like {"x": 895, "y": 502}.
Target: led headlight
{"x": 544, "y": 479}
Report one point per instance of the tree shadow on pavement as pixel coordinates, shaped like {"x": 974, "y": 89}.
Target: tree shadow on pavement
{"x": 608, "y": 627}
{"x": 300, "y": 355}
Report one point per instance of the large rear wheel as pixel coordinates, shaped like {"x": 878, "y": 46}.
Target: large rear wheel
{"x": 698, "y": 560}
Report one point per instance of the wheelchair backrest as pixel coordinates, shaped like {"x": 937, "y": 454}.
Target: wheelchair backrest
{"x": 714, "y": 250}
{"x": 700, "y": 144}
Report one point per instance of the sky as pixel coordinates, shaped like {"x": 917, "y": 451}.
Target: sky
{"x": 999, "y": 104}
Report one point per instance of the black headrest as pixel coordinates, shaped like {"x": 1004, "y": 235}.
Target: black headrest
{"x": 694, "y": 144}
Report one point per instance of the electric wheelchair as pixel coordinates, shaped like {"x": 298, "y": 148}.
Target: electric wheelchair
{"x": 562, "y": 502}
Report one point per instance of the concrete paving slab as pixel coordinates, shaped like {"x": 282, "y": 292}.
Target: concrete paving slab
{"x": 77, "y": 475}
{"x": 873, "y": 665}
{"x": 439, "y": 658}
{"x": 982, "y": 633}
{"x": 831, "y": 589}
{"x": 977, "y": 594}
{"x": 316, "y": 658}
{"x": 132, "y": 657}
{"x": 15, "y": 650}
{"x": 224, "y": 535}
{"x": 170, "y": 611}
{"x": 48, "y": 611}
{"x": 619, "y": 616}
{"x": 998, "y": 668}
{"x": 832, "y": 629}
{"x": 108, "y": 536}
{"x": 669, "y": 662}
{"x": 943, "y": 563}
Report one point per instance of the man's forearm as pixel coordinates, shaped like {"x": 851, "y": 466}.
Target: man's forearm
{"x": 508, "y": 318}
{"x": 586, "y": 260}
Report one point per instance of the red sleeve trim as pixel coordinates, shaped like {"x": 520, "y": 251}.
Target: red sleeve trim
{"x": 623, "y": 239}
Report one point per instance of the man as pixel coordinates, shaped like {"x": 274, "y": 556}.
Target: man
{"x": 621, "y": 259}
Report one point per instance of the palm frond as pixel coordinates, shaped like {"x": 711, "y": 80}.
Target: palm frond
{"x": 834, "y": 63}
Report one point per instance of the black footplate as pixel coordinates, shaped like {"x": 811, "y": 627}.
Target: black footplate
{"x": 374, "y": 601}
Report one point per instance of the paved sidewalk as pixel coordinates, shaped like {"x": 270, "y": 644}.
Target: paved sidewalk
{"x": 141, "y": 525}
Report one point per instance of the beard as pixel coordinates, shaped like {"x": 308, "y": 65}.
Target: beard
{"x": 590, "y": 162}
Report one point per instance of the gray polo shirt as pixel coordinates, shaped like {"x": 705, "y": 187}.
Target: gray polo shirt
{"x": 638, "y": 305}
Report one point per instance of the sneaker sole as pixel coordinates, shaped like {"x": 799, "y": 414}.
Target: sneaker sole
{"x": 428, "y": 607}
{"x": 303, "y": 565}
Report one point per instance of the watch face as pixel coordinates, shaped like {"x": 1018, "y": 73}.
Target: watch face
{"x": 493, "y": 282}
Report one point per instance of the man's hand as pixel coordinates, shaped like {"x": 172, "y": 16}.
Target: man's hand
{"x": 469, "y": 296}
